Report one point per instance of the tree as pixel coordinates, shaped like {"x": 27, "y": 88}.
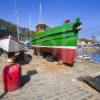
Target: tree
{"x": 11, "y": 29}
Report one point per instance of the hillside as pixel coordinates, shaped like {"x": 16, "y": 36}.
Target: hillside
{"x": 7, "y": 28}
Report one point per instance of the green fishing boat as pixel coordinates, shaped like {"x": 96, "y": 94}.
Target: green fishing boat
{"x": 60, "y": 42}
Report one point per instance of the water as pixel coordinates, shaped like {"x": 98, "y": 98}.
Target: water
{"x": 96, "y": 57}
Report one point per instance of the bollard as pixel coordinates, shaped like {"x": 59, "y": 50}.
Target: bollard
{"x": 11, "y": 76}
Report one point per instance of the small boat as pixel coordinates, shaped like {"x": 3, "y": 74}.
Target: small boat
{"x": 84, "y": 57}
{"x": 11, "y": 45}
{"x": 79, "y": 57}
{"x": 60, "y": 41}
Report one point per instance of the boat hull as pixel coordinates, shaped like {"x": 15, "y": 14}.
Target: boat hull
{"x": 10, "y": 45}
{"x": 65, "y": 53}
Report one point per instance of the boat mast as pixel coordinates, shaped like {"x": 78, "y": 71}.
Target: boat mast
{"x": 17, "y": 20}
{"x": 30, "y": 21}
{"x": 30, "y": 24}
{"x": 40, "y": 13}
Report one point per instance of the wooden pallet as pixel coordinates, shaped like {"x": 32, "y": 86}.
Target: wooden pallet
{"x": 94, "y": 82}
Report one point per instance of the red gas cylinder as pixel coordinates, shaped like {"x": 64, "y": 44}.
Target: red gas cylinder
{"x": 11, "y": 75}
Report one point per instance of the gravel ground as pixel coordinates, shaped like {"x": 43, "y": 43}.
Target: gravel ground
{"x": 45, "y": 80}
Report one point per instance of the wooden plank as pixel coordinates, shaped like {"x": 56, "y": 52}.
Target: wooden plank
{"x": 94, "y": 82}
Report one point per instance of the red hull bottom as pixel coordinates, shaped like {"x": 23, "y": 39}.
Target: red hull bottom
{"x": 67, "y": 55}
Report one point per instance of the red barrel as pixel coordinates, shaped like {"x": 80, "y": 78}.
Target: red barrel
{"x": 11, "y": 76}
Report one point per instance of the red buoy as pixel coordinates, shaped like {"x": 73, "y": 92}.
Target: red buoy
{"x": 11, "y": 75}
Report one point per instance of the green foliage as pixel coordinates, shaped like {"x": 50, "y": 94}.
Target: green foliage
{"x": 87, "y": 40}
{"x": 11, "y": 29}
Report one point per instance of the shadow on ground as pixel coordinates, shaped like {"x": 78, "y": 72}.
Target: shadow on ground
{"x": 2, "y": 95}
{"x": 23, "y": 58}
{"x": 70, "y": 65}
{"x": 26, "y": 78}
{"x": 94, "y": 82}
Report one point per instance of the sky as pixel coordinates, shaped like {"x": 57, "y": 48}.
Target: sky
{"x": 54, "y": 12}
